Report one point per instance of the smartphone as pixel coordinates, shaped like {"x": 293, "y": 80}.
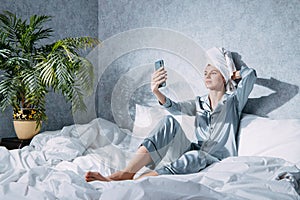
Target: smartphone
{"x": 159, "y": 64}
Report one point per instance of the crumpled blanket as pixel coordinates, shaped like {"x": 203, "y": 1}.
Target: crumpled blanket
{"x": 54, "y": 164}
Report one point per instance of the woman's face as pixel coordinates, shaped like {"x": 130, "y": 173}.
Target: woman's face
{"x": 213, "y": 78}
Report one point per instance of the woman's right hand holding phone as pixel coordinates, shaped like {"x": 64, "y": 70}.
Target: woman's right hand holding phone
{"x": 158, "y": 77}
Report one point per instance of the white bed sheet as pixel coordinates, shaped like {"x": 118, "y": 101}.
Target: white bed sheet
{"x": 53, "y": 167}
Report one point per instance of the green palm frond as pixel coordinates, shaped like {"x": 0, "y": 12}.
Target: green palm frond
{"x": 85, "y": 75}
{"x": 36, "y": 24}
{"x": 35, "y": 32}
{"x": 68, "y": 72}
{"x": 47, "y": 69}
{"x": 9, "y": 25}
{"x": 35, "y": 89}
{"x": 72, "y": 46}
{"x": 3, "y": 41}
{"x": 64, "y": 76}
{"x": 75, "y": 96}
{"x": 8, "y": 92}
{"x": 79, "y": 42}
{"x": 4, "y": 53}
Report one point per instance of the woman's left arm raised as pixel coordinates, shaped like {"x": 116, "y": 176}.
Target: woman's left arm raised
{"x": 245, "y": 86}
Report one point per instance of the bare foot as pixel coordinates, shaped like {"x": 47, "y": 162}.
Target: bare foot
{"x": 117, "y": 176}
{"x": 95, "y": 176}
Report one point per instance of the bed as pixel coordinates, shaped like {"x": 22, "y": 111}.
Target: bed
{"x": 54, "y": 164}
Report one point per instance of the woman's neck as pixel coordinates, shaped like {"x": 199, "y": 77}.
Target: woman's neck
{"x": 214, "y": 98}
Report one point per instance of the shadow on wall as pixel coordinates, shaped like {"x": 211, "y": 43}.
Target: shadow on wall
{"x": 266, "y": 104}
{"x": 262, "y": 106}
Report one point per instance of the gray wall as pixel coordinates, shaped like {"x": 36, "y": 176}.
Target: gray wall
{"x": 265, "y": 34}
{"x": 71, "y": 18}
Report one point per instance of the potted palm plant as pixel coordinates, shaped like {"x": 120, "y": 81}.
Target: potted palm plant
{"x": 29, "y": 68}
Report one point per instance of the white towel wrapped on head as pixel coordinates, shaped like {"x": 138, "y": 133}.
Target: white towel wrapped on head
{"x": 222, "y": 60}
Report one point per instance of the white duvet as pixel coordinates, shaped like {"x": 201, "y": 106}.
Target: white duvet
{"x": 54, "y": 164}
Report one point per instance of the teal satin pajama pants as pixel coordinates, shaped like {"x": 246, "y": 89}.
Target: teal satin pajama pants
{"x": 172, "y": 152}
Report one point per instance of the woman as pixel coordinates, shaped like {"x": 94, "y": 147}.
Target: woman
{"x": 217, "y": 117}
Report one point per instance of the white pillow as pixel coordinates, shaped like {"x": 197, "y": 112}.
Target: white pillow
{"x": 270, "y": 137}
{"x": 146, "y": 118}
